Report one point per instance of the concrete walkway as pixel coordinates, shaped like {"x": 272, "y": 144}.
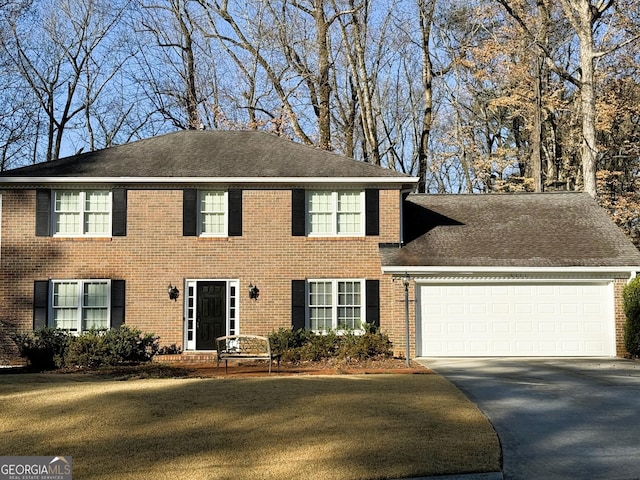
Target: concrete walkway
{"x": 556, "y": 418}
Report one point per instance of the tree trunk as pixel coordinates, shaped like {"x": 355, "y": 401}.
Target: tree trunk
{"x": 536, "y": 134}
{"x": 364, "y": 89}
{"x": 426, "y": 18}
{"x": 536, "y": 131}
{"x": 588, "y": 101}
{"x": 324, "y": 65}
{"x": 193, "y": 115}
{"x": 582, "y": 15}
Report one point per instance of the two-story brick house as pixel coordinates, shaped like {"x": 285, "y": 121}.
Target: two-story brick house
{"x": 97, "y": 239}
{"x": 326, "y": 242}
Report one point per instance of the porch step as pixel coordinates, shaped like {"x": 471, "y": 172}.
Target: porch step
{"x": 187, "y": 357}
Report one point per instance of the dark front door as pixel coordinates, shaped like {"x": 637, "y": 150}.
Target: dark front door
{"x": 211, "y": 315}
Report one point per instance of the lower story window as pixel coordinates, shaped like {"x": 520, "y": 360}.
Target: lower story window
{"x": 335, "y": 305}
{"x": 79, "y": 305}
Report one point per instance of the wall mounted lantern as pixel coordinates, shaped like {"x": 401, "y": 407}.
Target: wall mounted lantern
{"x": 173, "y": 292}
{"x": 254, "y": 291}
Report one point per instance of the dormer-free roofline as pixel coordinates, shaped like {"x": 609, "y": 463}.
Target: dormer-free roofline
{"x": 208, "y": 157}
{"x": 391, "y": 181}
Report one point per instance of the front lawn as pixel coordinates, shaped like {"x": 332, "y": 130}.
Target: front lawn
{"x": 302, "y": 427}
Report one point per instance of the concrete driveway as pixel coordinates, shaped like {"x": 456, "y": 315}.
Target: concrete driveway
{"x": 556, "y": 418}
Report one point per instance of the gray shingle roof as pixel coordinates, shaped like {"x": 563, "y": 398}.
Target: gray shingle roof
{"x": 510, "y": 230}
{"x": 193, "y": 154}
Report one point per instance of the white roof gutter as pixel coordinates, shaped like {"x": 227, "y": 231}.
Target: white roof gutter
{"x": 428, "y": 270}
{"x": 10, "y": 181}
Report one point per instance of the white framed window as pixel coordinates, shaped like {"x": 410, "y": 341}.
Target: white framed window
{"x": 79, "y": 213}
{"x": 213, "y": 213}
{"x": 336, "y": 305}
{"x": 79, "y": 305}
{"x": 335, "y": 212}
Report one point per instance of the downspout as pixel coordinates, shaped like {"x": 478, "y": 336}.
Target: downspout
{"x": 401, "y": 232}
{"x": 405, "y": 282}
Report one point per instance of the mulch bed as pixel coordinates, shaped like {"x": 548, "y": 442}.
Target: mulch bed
{"x": 258, "y": 368}
{"x": 243, "y": 369}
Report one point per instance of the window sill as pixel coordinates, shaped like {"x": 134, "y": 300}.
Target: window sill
{"x": 339, "y": 333}
{"x": 339, "y": 239}
{"x": 81, "y": 239}
{"x": 213, "y": 239}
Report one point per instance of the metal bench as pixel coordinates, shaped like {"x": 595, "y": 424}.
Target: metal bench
{"x": 245, "y": 347}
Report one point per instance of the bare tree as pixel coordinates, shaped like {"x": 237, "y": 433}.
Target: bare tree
{"x": 55, "y": 48}
{"x": 355, "y": 35}
{"x": 585, "y": 18}
{"x": 458, "y": 132}
{"x": 172, "y": 58}
{"x": 316, "y": 77}
{"x": 583, "y": 15}
{"x": 426, "y": 9}
{"x": 237, "y": 37}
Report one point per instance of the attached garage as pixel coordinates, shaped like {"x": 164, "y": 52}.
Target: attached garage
{"x": 515, "y": 319}
{"x": 528, "y": 274}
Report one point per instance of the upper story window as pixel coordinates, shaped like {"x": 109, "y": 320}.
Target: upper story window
{"x": 339, "y": 213}
{"x": 213, "y": 213}
{"x": 82, "y": 213}
{"x": 79, "y": 305}
{"x": 335, "y": 213}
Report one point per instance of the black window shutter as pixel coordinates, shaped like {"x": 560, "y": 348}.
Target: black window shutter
{"x": 298, "y": 304}
{"x": 43, "y": 213}
{"x": 372, "y": 211}
{"x": 40, "y": 303}
{"x": 119, "y": 220}
{"x": 235, "y": 213}
{"x": 190, "y": 212}
{"x": 298, "y": 213}
{"x": 117, "y": 303}
{"x": 373, "y": 302}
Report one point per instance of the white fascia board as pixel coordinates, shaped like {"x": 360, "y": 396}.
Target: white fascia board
{"x": 423, "y": 271}
{"x": 11, "y": 181}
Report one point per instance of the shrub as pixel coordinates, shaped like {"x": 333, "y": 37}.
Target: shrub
{"x": 130, "y": 345}
{"x": 287, "y": 343}
{"x": 287, "y": 338}
{"x": 304, "y": 345}
{"x": 631, "y": 302}
{"x": 371, "y": 344}
{"x": 319, "y": 347}
{"x": 89, "y": 350}
{"x": 44, "y": 348}
{"x": 124, "y": 345}
{"x": 50, "y": 348}
{"x": 172, "y": 349}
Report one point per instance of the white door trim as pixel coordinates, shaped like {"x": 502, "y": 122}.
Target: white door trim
{"x": 191, "y": 302}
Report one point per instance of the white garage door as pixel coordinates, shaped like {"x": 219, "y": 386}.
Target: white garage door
{"x": 515, "y": 320}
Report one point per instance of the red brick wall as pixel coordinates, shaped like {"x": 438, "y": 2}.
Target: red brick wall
{"x": 154, "y": 253}
{"x": 620, "y": 317}
{"x": 397, "y": 328}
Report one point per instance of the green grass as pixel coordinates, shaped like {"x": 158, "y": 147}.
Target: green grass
{"x": 304, "y": 427}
